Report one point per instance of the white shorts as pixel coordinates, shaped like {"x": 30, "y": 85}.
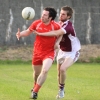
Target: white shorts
{"x": 62, "y": 55}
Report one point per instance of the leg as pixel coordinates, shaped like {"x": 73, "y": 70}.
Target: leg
{"x": 45, "y": 68}
{"x": 58, "y": 72}
{"x": 62, "y": 75}
{"x": 36, "y": 72}
{"x": 42, "y": 77}
{"x": 63, "y": 68}
{"x": 69, "y": 60}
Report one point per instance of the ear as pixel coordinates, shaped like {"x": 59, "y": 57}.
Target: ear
{"x": 50, "y": 18}
{"x": 69, "y": 17}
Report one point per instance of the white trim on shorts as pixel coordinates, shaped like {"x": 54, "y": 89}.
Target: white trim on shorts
{"x": 63, "y": 54}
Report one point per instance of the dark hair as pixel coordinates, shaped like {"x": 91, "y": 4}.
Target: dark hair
{"x": 68, "y": 9}
{"x": 52, "y": 12}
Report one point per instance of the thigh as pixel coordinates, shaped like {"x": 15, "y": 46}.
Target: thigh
{"x": 67, "y": 59}
{"x": 67, "y": 63}
{"x": 47, "y": 63}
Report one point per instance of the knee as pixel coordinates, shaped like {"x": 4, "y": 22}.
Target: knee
{"x": 44, "y": 72}
{"x": 36, "y": 74}
{"x": 62, "y": 70}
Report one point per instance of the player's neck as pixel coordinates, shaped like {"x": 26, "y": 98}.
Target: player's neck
{"x": 47, "y": 23}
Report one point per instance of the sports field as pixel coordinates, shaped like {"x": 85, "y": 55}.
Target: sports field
{"x": 83, "y": 82}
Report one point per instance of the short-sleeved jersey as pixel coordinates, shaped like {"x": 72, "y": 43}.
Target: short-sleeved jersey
{"x": 69, "y": 40}
{"x": 44, "y": 43}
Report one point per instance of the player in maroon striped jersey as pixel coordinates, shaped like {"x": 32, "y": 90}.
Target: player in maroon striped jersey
{"x": 69, "y": 46}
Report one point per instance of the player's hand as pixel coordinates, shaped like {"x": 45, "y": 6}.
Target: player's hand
{"x": 18, "y": 34}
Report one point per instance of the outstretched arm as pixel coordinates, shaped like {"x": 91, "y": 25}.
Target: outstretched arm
{"x": 23, "y": 33}
{"x": 51, "y": 33}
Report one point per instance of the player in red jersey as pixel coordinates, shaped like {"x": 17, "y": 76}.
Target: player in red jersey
{"x": 44, "y": 47}
{"x": 69, "y": 46}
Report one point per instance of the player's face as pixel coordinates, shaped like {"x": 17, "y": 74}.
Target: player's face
{"x": 45, "y": 17}
{"x": 63, "y": 16}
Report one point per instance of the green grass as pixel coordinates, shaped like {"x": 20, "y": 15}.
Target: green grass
{"x": 83, "y": 82}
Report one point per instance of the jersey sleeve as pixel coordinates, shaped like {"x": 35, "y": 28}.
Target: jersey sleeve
{"x": 33, "y": 26}
{"x": 64, "y": 30}
{"x": 68, "y": 29}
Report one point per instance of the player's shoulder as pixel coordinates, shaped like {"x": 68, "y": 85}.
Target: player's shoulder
{"x": 37, "y": 21}
{"x": 56, "y": 24}
{"x": 69, "y": 22}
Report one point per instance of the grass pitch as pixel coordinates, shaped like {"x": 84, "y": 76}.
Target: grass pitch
{"x": 83, "y": 82}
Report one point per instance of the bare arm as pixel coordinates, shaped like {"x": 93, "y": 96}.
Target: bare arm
{"x": 57, "y": 42}
{"x": 23, "y": 33}
{"x": 51, "y": 33}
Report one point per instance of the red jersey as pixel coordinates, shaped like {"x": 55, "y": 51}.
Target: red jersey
{"x": 44, "y": 43}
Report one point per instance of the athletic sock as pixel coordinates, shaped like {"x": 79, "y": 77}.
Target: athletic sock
{"x": 61, "y": 86}
{"x": 36, "y": 88}
{"x": 34, "y": 85}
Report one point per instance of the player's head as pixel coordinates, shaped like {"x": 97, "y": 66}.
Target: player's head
{"x": 52, "y": 12}
{"x": 48, "y": 14}
{"x": 65, "y": 13}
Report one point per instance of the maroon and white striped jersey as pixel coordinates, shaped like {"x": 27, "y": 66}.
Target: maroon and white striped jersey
{"x": 69, "y": 40}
